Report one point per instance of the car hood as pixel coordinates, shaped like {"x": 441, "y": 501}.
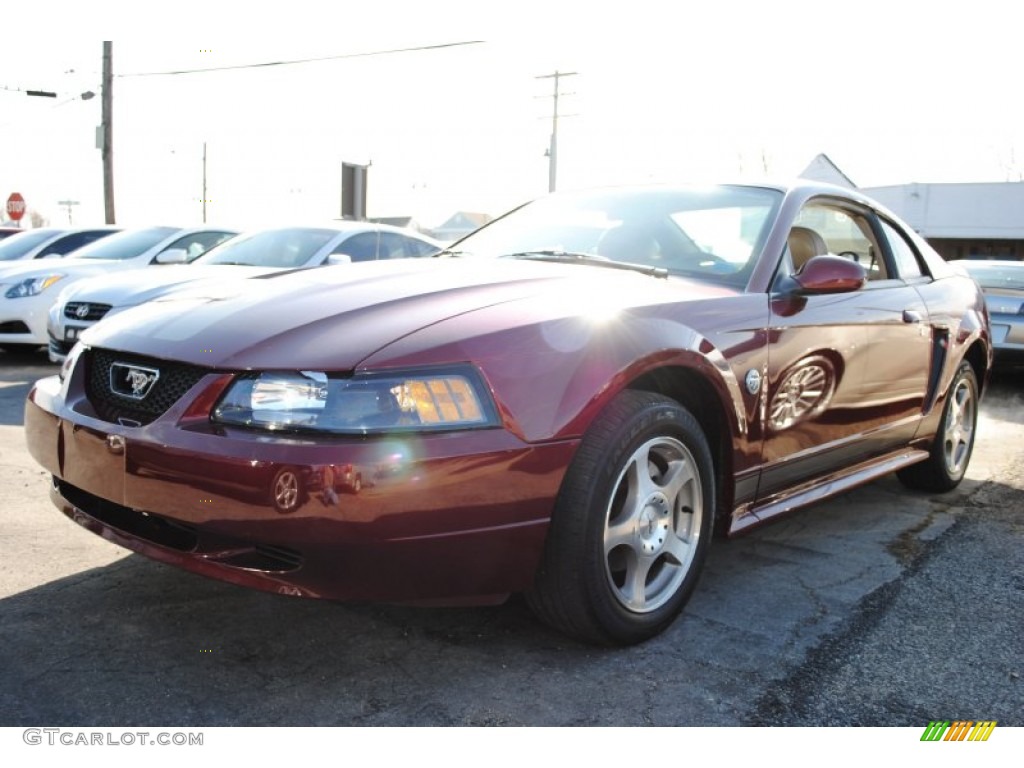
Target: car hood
{"x": 136, "y": 286}
{"x": 333, "y": 318}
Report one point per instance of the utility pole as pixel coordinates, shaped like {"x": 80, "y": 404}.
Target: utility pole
{"x": 107, "y": 131}
{"x": 204, "y": 182}
{"x": 553, "y": 147}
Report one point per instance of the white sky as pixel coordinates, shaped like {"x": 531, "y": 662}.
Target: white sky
{"x": 893, "y": 92}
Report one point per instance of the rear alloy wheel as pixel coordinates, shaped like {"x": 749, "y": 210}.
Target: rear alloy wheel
{"x": 951, "y": 450}
{"x": 631, "y": 525}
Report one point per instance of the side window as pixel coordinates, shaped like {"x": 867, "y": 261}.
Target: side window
{"x": 419, "y": 248}
{"x": 907, "y": 263}
{"x": 361, "y": 247}
{"x": 392, "y": 246}
{"x": 844, "y": 232}
{"x": 197, "y": 244}
{"x": 70, "y": 243}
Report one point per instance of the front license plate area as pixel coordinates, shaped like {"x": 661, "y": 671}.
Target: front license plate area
{"x": 94, "y": 461}
{"x": 72, "y": 334}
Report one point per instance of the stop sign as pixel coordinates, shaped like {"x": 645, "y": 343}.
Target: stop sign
{"x": 16, "y": 206}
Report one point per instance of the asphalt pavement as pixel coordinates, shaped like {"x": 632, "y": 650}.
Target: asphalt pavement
{"x": 880, "y": 607}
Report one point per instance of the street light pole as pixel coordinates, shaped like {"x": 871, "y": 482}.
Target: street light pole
{"x": 107, "y": 132}
{"x": 204, "y": 182}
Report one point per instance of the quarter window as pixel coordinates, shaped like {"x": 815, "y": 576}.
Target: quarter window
{"x": 903, "y": 254}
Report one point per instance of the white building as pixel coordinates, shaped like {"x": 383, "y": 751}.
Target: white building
{"x": 961, "y": 221}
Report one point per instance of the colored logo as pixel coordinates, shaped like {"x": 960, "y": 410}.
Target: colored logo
{"x": 958, "y": 730}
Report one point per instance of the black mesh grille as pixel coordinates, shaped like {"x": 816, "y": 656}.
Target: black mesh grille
{"x": 92, "y": 312}
{"x": 175, "y": 380}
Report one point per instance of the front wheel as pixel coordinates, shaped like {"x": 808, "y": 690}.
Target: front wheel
{"x": 951, "y": 450}
{"x": 631, "y": 525}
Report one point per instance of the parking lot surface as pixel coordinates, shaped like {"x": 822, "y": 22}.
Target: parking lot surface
{"x": 880, "y": 607}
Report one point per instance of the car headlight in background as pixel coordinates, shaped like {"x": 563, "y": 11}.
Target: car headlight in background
{"x": 362, "y": 404}
{"x": 31, "y": 286}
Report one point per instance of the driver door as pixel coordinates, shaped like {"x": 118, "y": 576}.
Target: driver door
{"x": 847, "y": 372}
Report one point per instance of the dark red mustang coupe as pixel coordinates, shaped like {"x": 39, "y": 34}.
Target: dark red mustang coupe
{"x": 568, "y": 403}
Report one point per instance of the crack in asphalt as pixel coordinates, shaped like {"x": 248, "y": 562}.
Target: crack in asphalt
{"x": 817, "y": 691}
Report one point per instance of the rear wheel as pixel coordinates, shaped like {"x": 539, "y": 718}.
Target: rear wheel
{"x": 951, "y": 450}
{"x": 631, "y": 525}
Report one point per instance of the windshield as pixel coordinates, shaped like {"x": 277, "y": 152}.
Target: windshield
{"x": 712, "y": 233}
{"x": 282, "y": 248}
{"x": 125, "y": 245}
{"x": 1009, "y": 277}
{"x": 16, "y": 246}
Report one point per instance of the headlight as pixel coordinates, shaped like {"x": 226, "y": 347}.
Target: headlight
{"x": 369, "y": 403}
{"x": 32, "y": 286}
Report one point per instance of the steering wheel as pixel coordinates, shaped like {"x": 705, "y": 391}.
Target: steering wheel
{"x": 852, "y": 255}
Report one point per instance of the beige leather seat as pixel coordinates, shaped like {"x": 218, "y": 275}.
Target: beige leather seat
{"x": 804, "y": 245}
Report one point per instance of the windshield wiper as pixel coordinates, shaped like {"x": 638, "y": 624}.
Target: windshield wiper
{"x": 572, "y": 257}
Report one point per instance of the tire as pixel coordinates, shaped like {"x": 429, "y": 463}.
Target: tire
{"x": 631, "y": 526}
{"x": 19, "y": 350}
{"x": 951, "y": 450}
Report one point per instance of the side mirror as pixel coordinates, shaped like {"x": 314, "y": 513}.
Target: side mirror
{"x": 53, "y": 255}
{"x": 172, "y": 256}
{"x": 339, "y": 258}
{"x": 831, "y": 274}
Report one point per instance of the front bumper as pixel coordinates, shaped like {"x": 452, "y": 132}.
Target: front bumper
{"x": 1008, "y": 339}
{"x": 23, "y": 321}
{"x": 448, "y": 518}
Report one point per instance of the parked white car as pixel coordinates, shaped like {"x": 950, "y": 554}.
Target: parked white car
{"x": 84, "y": 303}
{"x": 28, "y": 289}
{"x": 49, "y": 242}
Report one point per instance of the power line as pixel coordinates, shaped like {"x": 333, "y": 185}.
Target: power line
{"x": 300, "y": 61}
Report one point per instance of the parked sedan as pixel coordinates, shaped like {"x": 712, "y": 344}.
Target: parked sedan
{"x": 568, "y": 405}
{"x": 84, "y": 303}
{"x": 28, "y": 289}
{"x": 48, "y": 242}
{"x": 1003, "y": 285}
